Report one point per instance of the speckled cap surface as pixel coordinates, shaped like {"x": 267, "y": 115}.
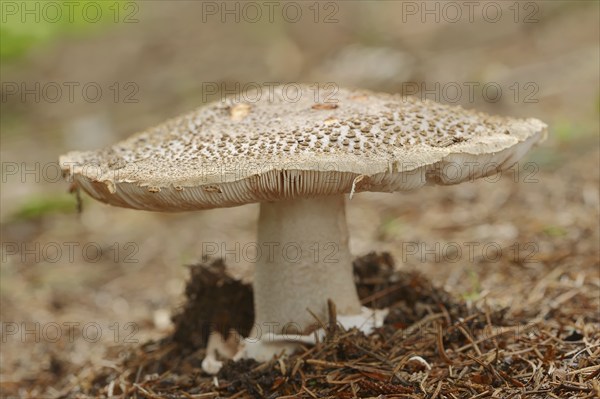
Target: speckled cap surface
{"x": 284, "y": 147}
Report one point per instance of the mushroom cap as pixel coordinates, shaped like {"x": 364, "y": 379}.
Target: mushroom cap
{"x": 286, "y": 145}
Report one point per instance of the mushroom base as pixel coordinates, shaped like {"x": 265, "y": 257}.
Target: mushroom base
{"x": 307, "y": 263}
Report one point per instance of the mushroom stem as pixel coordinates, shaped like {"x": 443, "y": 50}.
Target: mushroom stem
{"x": 305, "y": 260}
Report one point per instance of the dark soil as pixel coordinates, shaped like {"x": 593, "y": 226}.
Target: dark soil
{"x": 211, "y": 294}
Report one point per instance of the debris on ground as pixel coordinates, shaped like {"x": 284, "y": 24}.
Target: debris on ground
{"x": 432, "y": 345}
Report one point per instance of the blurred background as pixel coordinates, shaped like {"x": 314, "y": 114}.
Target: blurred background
{"x": 82, "y": 75}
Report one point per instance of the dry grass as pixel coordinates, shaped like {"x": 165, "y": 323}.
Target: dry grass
{"x": 431, "y": 346}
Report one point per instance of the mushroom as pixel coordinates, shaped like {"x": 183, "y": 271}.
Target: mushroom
{"x": 299, "y": 159}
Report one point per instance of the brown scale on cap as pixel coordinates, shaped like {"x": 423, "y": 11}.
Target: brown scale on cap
{"x": 243, "y": 148}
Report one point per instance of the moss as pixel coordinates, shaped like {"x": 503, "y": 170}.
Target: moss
{"x": 37, "y": 207}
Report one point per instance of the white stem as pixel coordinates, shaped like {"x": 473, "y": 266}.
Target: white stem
{"x": 305, "y": 261}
